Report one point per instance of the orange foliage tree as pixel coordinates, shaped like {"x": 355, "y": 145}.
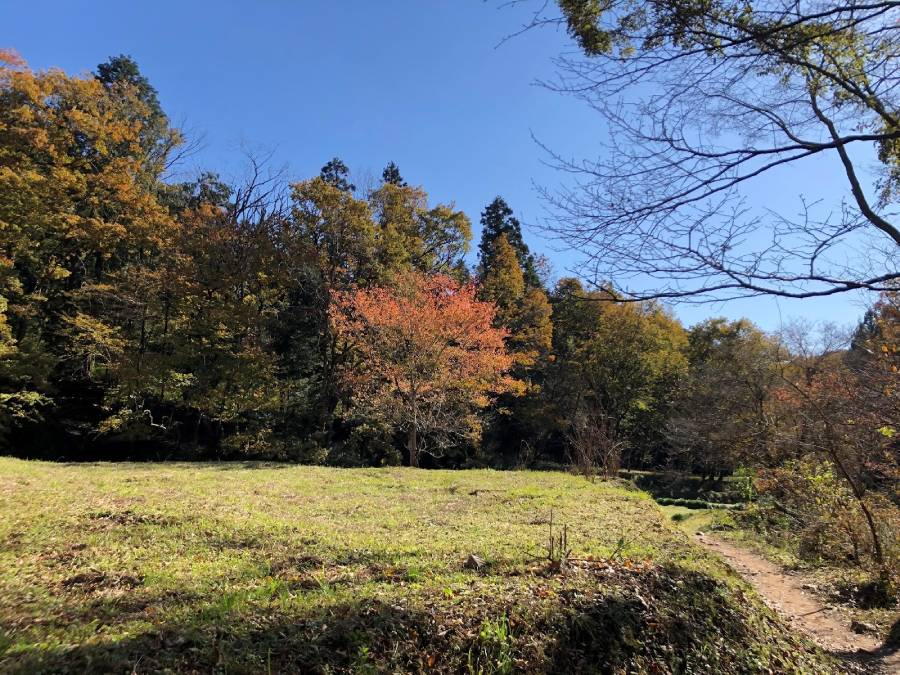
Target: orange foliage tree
{"x": 425, "y": 358}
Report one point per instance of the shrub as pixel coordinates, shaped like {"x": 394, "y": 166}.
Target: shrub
{"x": 808, "y": 507}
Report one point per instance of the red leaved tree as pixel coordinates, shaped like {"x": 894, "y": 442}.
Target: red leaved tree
{"x": 424, "y": 358}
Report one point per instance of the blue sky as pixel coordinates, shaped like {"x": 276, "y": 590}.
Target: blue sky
{"x": 422, "y": 83}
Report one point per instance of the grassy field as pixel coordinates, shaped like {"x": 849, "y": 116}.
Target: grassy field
{"x": 268, "y": 568}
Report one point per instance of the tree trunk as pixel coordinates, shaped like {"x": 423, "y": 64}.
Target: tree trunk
{"x": 858, "y": 494}
{"x": 412, "y": 444}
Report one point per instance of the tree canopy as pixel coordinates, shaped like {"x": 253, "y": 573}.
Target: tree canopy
{"x": 497, "y": 220}
{"x": 426, "y": 357}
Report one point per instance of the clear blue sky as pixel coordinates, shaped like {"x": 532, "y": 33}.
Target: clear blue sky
{"x": 418, "y": 82}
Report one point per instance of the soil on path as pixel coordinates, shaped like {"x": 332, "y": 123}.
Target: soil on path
{"x": 785, "y": 594}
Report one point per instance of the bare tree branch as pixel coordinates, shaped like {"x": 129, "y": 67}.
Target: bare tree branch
{"x": 699, "y": 104}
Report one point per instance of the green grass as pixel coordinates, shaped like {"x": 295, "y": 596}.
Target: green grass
{"x": 274, "y": 568}
{"x": 696, "y": 504}
{"x": 693, "y": 520}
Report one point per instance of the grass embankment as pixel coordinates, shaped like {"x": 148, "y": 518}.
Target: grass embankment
{"x": 234, "y": 568}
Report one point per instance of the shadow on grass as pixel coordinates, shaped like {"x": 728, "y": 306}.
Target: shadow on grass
{"x": 346, "y": 637}
{"x": 243, "y": 465}
{"x": 654, "y": 619}
{"x": 669, "y": 620}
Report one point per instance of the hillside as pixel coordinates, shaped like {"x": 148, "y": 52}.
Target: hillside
{"x": 255, "y": 568}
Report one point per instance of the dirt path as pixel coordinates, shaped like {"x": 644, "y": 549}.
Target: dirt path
{"x": 785, "y": 594}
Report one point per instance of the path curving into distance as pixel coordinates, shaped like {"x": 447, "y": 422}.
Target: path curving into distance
{"x": 785, "y": 594}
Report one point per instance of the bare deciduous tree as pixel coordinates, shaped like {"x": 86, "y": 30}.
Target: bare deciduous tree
{"x": 701, "y": 101}
{"x": 593, "y": 443}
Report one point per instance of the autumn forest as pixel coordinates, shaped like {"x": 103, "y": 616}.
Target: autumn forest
{"x": 353, "y": 321}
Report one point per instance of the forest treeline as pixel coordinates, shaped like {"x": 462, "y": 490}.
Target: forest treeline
{"x": 145, "y": 317}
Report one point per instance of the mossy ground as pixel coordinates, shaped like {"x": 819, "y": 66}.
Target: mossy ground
{"x": 272, "y": 568}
